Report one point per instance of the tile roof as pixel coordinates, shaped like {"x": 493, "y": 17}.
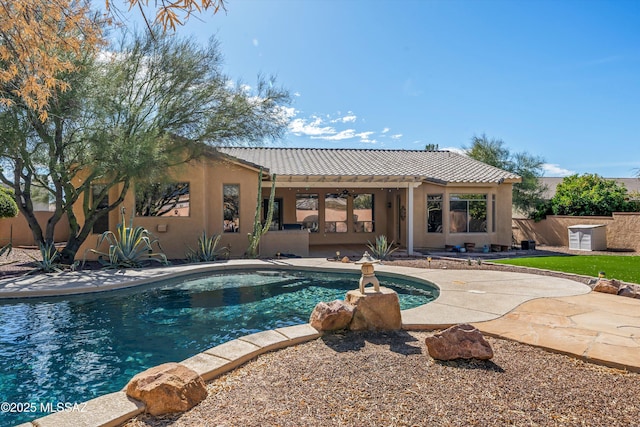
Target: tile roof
{"x": 438, "y": 166}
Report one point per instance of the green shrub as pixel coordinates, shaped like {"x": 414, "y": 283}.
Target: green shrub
{"x": 207, "y": 249}
{"x": 8, "y": 205}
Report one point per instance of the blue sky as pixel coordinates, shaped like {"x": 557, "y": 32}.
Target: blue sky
{"x": 557, "y": 79}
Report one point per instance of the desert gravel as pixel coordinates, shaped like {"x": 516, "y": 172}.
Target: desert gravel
{"x": 388, "y": 379}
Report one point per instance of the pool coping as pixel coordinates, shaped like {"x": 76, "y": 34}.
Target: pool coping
{"x": 466, "y": 296}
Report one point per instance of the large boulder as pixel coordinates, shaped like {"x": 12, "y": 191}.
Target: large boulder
{"x": 607, "y": 286}
{"x": 331, "y": 316}
{"x": 167, "y": 388}
{"x": 374, "y": 310}
{"x": 459, "y": 342}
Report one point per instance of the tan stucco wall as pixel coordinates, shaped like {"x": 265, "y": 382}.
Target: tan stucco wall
{"x": 500, "y": 236}
{"x": 623, "y": 229}
{"x": 206, "y": 179}
{"x": 18, "y": 229}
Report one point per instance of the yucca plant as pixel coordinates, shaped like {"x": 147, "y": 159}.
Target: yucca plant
{"x": 382, "y": 249}
{"x": 129, "y": 247}
{"x": 207, "y": 249}
{"x": 50, "y": 260}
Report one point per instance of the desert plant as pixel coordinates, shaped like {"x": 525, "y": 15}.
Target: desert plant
{"x": 128, "y": 247}
{"x": 260, "y": 229}
{"x": 382, "y": 249}
{"x": 50, "y": 262}
{"x": 6, "y": 249}
{"x": 207, "y": 249}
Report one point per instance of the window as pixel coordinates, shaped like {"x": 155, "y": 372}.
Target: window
{"x": 493, "y": 213}
{"x": 434, "y": 213}
{"x": 231, "y": 208}
{"x": 335, "y": 213}
{"x": 307, "y": 211}
{"x": 162, "y": 199}
{"x": 363, "y": 221}
{"x": 468, "y": 213}
{"x": 100, "y": 200}
{"x": 276, "y": 220}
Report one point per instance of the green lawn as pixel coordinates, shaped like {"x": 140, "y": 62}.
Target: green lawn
{"x": 625, "y": 268}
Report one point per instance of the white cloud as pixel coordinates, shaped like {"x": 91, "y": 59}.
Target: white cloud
{"x": 396, "y": 136}
{"x": 339, "y": 136}
{"x": 255, "y": 42}
{"x": 349, "y": 118}
{"x": 364, "y": 137}
{"x": 553, "y": 169}
{"x": 312, "y": 129}
{"x": 385, "y": 130}
{"x": 296, "y": 94}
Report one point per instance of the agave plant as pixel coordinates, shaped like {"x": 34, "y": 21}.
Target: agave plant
{"x": 207, "y": 249}
{"x": 129, "y": 247}
{"x": 382, "y": 248}
{"x": 6, "y": 249}
{"x": 50, "y": 260}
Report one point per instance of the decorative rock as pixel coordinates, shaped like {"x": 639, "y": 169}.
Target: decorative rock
{"x": 629, "y": 291}
{"x": 331, "y": 316}
{"x": 167, "y": 388}
{"x": 459, "y": 342}
{"x": 607, "y": 286}
{"x": 375, "y": 310}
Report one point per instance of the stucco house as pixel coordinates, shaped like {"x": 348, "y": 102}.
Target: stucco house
{"x": 420, "y": 199}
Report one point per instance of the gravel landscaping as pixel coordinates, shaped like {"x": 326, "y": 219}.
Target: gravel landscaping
{"x": 388, "y": 379}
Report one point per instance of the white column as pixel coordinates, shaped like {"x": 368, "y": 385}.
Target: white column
{"x": 410, "y": 219}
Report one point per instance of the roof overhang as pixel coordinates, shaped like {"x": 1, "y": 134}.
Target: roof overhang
{"x": 359, "y": 181}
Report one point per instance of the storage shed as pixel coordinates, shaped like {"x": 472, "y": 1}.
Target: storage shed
{"x": 588, "y": 237}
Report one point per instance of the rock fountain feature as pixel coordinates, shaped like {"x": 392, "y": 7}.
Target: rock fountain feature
{"x": 376, "y": 308}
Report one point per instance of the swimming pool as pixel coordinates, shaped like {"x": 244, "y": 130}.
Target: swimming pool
{"x": 72, "y": 349}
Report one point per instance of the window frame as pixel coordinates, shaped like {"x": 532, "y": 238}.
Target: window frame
{"x": 233, "y": 226}
{"x": 314, "y": 224}
{"x": 176, "y": 204}
{"x": 437, "y": 227}
{"x": 356, "y": 224}
{"x": 466, "y": 200}
{"x": 339, "y": 226}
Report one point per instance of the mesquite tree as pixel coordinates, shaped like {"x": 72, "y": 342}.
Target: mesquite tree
{"x": 150, "y": 103}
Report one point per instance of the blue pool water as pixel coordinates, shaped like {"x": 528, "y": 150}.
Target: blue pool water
{"x": 72, "y": 349}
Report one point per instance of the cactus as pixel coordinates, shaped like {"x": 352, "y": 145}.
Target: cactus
{"x": 260, "y": 229}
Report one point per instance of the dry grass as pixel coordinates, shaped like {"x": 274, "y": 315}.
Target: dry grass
{"x": 388, "y": 379}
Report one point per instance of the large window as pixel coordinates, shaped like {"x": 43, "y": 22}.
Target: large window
{"x": 231, "y": 207}
{"x": 434, "y": 213}
{"x": 335, "y": 213}
{"x": 363, "y": 221}
{"x": 307, "y": 211}
{"x": 468, "y": 213}
{"x": 162, "y": 199}
{"x": 100, "y": 201}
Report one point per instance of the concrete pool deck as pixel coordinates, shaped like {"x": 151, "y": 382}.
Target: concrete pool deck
{"x": 557, "y": 314}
